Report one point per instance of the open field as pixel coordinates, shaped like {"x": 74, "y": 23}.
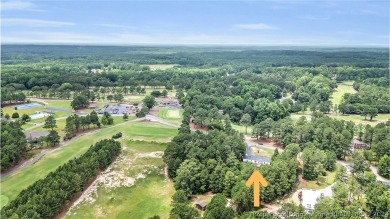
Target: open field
{"x": 160, "y": 66}
{"x": 345, "y": 87}
{"x": 354, "y": 118}
{"x": 241, "y": 128}
{"x": 13, "y": 184}
{"x": 143, "y": 190}
{"x": 171, "y": 115}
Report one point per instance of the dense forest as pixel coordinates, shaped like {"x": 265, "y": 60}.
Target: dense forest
{"x": 217, "y": 87}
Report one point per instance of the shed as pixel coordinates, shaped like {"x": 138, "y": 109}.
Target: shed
{"x": 201, "y": 205}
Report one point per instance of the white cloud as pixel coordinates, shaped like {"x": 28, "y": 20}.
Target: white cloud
{"x": 19, "y": 5}
{"x": 315, "y": 18}
{"x": 256, "y": 26}
{"x": 33, "y": 22}
{"x": 119, "y": 26}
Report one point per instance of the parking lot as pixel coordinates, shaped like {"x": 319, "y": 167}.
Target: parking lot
{"x": 120, "y": 109}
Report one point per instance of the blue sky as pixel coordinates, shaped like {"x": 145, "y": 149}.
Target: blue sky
{"x": 276, "y": 22}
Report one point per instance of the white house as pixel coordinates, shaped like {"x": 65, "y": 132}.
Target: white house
{"x": 310, "y": 197}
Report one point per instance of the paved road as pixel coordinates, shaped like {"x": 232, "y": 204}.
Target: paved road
{"x": 156, "y": 119}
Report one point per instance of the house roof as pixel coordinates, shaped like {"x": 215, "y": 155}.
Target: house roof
{"x": 311, "y": 196}
{"x": 35, "y": 135}
{"x": 385, "y": 183}
{"x": 201, "y": 204}
{"x": 355, "y": 141}
{"x": 260, "y": 159}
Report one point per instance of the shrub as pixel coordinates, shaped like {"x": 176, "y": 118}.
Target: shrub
{"x": 117, "y": 135}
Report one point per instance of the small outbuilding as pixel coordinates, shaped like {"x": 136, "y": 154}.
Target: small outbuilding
{"x": 358, "y": 145}
{"x": 201, "y": 205}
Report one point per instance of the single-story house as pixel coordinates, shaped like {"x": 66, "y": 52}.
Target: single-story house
{"x": 358, "y": 145}
{"x": 309, "y": 197}
{"x": 92, "y": 106}
{"x": 257, "y": 159}
{"x": 33, "y": 136}
{"x": 201, "y": 205}
{"x": 385, "y": 183}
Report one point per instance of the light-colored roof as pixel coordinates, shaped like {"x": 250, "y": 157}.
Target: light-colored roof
{"x": 311, "y": 196}
{"x": 201, "y": 203}
{"x": 355, "y": 141}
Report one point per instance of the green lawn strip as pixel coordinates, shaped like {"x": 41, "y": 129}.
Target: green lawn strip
{"x": 13, "y": 184}
{"x": 349, "y": 117}
{"x": 341, "y": 89}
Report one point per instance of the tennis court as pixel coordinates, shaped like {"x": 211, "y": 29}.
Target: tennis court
{"x": 27, "y": 106}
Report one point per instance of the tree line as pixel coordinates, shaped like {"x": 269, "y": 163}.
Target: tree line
{"x": 46, "y": 197}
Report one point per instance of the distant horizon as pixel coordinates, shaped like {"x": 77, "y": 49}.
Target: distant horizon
{"x": 200, "y": 45}
{"x": 346, "y": 23}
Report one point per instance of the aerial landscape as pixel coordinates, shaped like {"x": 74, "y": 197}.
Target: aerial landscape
{"x": 217, "y": 110}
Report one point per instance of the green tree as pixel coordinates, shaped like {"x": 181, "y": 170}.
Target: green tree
{"x": 384, "y": 166}
{"x": 217, "y": 209}
{"x": 245, "y": 121}
{"x": 53, "y": 138}
{"x": 149, "y": 101}
{"x": 125, "y": 117}
{"x": 7, "y": 116}
{"x": 50, "y": 123}
{"x": 164, "y": 93}
{"x": 359, "y": 163}
{"x": 15, "y": 115}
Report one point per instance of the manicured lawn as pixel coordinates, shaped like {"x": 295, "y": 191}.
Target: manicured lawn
{"x": 59, "y": 103}
{"x": 171, "y": 115}
{"x": 341, "y": 89}
{"x": 241, "y": 128}
{"x": 328, "y": 180}
{"x": 11, "y": 109}
{"x": 148, "y": 197}
{"x": 13, "y": 184}
{"x": 262, "y": 151}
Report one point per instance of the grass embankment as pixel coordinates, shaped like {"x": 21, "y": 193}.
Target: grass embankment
{"x": 13, "y": 184}
{"x": 148, "y": 196}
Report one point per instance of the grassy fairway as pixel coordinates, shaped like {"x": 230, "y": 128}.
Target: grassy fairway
{"x": 13, "y": 184}
{"x": 262, "y": 151}
{"x": 345, "y": 87}
{"x": 171, "y": 115}
{"x": 147, "y": 197}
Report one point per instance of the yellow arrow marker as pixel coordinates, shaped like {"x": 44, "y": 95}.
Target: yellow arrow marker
{"x": 256, "y": 179}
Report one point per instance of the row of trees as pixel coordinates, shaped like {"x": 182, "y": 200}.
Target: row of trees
{"x": 46, "y": 197}
{"x": 13, "y": 144}
{"x": 76, "y": 123}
